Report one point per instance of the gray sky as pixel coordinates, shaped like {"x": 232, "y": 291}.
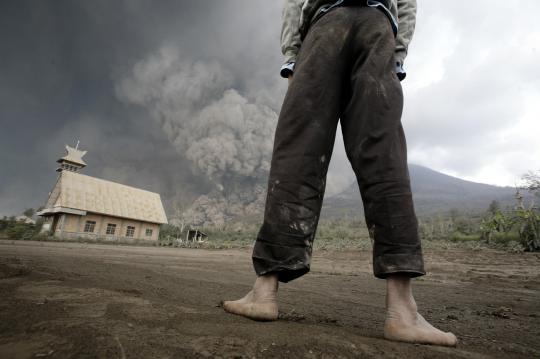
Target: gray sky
{"x": 91, "y": 70}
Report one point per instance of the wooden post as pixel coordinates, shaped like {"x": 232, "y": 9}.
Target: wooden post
{"x": 79, "y": 225}
{"x": 62, "y": 220}
{"x": 100, "y": 226}
{"x": 121, "y": 228}
{"x": 140, "y": 229}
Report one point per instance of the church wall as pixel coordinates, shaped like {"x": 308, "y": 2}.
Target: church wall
{"x": 155, "y": 231}
{"x": 106, "y": 220}
{"x": 71, "y": 223}
{"x": 72, "y": 227}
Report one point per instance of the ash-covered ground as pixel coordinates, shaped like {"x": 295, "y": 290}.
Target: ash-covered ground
{"x": 62, "y": 300}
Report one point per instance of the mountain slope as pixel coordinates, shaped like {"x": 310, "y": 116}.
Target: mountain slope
{"x": 433, "y": 192}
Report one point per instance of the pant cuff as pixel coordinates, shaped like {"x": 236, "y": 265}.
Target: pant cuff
{"x": 287, "y": 262}
{"x": 405, "y": 263}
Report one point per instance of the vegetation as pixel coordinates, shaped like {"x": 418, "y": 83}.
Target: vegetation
{"x": 12, "y": 229}
{"x": 238, "y": 235}
{"x": 29, "y": 212}
{"x": 515, "y": 229}
{"x": 532, "y": 181}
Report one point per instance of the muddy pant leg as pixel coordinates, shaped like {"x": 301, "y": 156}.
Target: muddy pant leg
{"x": 375, "y": 145}
{"x": 303, "y": 145}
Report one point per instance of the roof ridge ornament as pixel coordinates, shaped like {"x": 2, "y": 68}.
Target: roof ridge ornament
{"x": 72, "y": 161}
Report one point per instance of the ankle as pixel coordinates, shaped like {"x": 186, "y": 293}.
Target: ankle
{"x": 266, "y": 286}
{"x": 399, "y": 298}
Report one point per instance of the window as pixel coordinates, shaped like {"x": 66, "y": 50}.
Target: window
{"x": 148, "y": 232}
{"x": 130, "y": 232}
{"x": 89, "y": 226}
{"x": 111, "y": 228}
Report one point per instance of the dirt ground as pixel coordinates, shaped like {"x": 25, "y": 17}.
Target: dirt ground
{"x": 62, "y": 300}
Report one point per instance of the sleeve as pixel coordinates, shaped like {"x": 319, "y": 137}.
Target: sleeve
{"x": 406, "y": 24}
{"x": 290, "y": 35}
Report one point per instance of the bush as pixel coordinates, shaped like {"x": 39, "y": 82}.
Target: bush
{"x": 529, "y": 230}
{"x": 18, "y": 230}
{"x": 521, "y": 225}
{"x": 462, "y": 237}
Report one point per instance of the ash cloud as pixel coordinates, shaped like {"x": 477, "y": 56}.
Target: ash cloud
{"x": 224, "y": 134}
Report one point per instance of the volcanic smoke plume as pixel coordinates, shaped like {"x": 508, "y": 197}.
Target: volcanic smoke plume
{"x": 226, "y": 136}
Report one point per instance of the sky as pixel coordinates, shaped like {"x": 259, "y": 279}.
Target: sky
{"x": 181, "y": 97}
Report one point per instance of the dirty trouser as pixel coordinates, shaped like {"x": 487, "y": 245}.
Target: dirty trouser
{"x": 345, "y": 70}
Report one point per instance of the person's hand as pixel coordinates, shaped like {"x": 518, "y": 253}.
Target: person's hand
{"x": 289, "y": 79}
{"x": 400, "y": 72}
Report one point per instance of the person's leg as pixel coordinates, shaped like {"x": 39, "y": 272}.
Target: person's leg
{"x": 375, "y": 145}
{"x": 303, "y": 144}
{"x": 376, "y": 148}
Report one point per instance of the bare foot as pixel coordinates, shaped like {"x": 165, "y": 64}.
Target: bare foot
{"x": 260, "y": 303}
{"x": 403, "y": 323}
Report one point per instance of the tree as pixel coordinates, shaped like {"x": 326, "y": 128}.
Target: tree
{"x": 529, "y": 229}
{"x": 29, "y": 212}
{"x": 4, "y": 223}
{"x": 497, "y": 223}
{"x": 532, "y": 181}
{"x": 454, "y": 214}
{"x": 19, "y": 230}
{"x": 494, "y": 207}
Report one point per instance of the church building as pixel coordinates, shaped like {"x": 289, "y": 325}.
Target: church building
{"x": 81, "y": 206}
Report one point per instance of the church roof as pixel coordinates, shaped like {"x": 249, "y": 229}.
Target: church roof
{"x": 75, "y": 192}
